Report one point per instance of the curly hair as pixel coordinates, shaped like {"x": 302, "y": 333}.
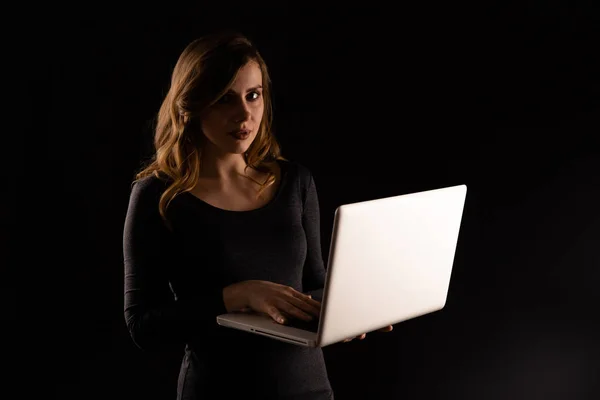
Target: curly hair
{"x": 204, "y": 72}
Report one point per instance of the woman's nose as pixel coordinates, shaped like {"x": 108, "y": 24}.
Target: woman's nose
{"x": 242, "y": 112}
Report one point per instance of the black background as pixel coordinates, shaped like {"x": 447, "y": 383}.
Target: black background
{"x": 377, "y": 101}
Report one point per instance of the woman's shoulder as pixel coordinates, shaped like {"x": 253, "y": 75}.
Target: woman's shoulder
{"x": 299, "y": 170}
{"x": 148, "y": 188}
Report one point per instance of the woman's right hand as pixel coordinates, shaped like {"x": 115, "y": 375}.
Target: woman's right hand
{"x": 278, "y": 301}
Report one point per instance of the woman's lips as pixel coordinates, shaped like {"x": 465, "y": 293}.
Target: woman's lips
{"x": 241, "y": 135}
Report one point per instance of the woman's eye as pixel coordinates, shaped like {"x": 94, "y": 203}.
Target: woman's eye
{"x": 227, "y": 98}
{"x": 254, "y": 96}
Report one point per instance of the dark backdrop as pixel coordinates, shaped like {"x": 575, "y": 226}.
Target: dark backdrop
{"x": 376, "y": 102}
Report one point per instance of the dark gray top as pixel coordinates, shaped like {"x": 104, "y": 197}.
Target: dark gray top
{"x": 174, "y": 282}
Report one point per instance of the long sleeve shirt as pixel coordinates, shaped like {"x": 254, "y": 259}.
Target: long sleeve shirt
{"x": 174, "y": 282}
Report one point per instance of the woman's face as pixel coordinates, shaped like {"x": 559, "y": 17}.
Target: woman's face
{"x": 239, "y": 109}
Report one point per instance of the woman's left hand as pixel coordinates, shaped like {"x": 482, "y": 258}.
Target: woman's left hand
{"x": 388, "y": 328}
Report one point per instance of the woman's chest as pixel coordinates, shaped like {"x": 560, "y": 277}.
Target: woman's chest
{"x": 237, "y": 199}
{"x": 233, "y": 248}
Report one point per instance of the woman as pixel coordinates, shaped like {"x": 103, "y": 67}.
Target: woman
{"x": 219, "y": 222}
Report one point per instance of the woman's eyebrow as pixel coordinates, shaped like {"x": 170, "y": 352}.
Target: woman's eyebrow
{"x": 247, "y": 90}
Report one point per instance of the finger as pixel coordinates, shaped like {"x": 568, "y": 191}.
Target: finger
{"x": 308, "y": 309}
{"x": 294, "y": 311}
{"x": 307, "y": 298}
{"x": 361, "y": 337}
{"x": 313, "y": 302}
{"x": 277, "y": 315}
{"x": 304, "y": 305}
{"x": 388, "y": 328}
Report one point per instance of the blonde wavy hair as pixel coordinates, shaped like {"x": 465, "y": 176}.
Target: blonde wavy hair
{"x": 204, "y": 72}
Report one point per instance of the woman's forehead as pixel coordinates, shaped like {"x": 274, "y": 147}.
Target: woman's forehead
{"x": 248, "y": 77}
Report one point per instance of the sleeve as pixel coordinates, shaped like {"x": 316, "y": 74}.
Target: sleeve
{"x": 155, "y": 318}
{"x": 313, "y": 279}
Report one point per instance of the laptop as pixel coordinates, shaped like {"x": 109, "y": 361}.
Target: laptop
{"x": 390, "y": 260}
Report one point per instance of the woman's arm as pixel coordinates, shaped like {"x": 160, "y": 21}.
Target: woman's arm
{"x": 314, "y": 269}
{"x": 154, "y": 317}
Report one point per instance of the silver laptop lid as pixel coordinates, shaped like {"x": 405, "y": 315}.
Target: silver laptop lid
{"x": 390, "y": 260}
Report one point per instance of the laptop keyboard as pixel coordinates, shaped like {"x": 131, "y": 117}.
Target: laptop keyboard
{"x": 311, "y": 326}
